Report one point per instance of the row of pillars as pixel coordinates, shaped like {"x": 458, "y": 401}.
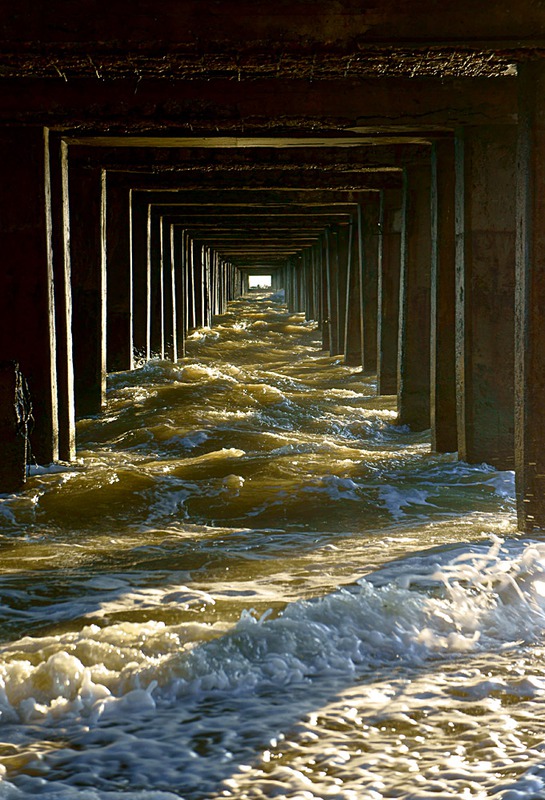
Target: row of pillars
{"x": 419, "y": 288}
{"x": 440, "y": 289}
{"x": 88, "y": 286}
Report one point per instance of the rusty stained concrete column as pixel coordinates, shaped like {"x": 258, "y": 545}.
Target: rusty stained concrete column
{"x": 444, "y": 432}
{"x": 369, "y": 231}
{"x": 157, "y": 288}
{"x": 119, "y": 295}
{"x": 178, "y": 256}
{"x": 139, "y": 214}
{"x": 389, "y": 270}
{"x": 325, "y": 289}
{"x": 413, "y": 394}
{"x": 191, "y": 305}
{"x": 530, "y": 302}
{"x": 485, "y": 285}
{"x": 87, "y": 199}
{"x": 344, "y": 254}
{"x": 353, "y": 331}
{"x": 308, "y": 274}
{"x": 27, "y": 311}
{"x": 169, "y": 291}
{"x": 334, "y": 290}
{"x": 60, "y": 214}
{"x": 317, "y": 282}
{"x": 199, "y": 279}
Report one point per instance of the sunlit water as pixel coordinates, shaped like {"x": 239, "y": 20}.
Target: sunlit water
{"x": 253, "y": 585}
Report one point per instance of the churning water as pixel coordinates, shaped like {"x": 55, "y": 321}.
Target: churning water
{"x": 253, "y": 585}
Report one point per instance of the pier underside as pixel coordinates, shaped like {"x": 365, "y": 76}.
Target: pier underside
{"x": 381, "y": 163}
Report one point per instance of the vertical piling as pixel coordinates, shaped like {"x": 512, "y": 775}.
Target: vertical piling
{"x": 157, "y": 286}
{"x": 485, "y": 278}
{"x": 119, "y": 295}
{"x": 369, "y": 233}
{"x": 389, "y": 270}
{"x": 414, "y": 314}
{"x": 139, "y": 216}
{"x": 353, "y": 335}
{"x": 58, "y": 151}
{"x": 444, "y": 434}
{"x": 27, "y": 321}
{"x": 530, "y": 301}
{"x": 87, "y": 198}
{"x": 14, "y": 427}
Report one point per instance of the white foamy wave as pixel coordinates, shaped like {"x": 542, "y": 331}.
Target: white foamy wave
{"x": 477, "y": 601}
{"x": 395, "y": 500}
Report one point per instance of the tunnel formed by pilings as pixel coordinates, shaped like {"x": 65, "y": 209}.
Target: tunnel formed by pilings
{"x": 382, "y": 162}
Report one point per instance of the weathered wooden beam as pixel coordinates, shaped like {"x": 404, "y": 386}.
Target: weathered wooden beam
{"x": 246, "y": 198}
{"x": 271, "y": 106}
{"x": 229, "y": 156}
{"x": 341, "y": 27}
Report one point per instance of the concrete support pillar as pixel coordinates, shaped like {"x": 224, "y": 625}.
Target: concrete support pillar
{"x": 344, "y": 254}
{"x": 530, "y": 301}
{"x": 169, "y": 292}
{"x": 413, "y": 392}
{"x": 334, "y": 291}
{"x": 119, "y": 294}
{"x": 207, "y": 288}
{"x": 191, "y": 313}
{"x": 485, "y": 267}
{"x": 87, "y": 197}
{"x": 389, "y": 270}
{"x": 60, "y": 216}
{"x": 325, "y": 289}
{"x": 139, "y": 214}
{"x": 198, "y": 283}
{"x": 369, "y": 232}
{"x": 157, "y": 287}
{"x": 317, "y": 282}
{"x": 353, "y": 332}
{"x": 178, "y": 255}
{"x": 27, "y": 321}
{"x": 444, "y": 436}
{"x": 289, "y": 287}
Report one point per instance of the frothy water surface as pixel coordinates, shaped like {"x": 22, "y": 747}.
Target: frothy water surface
{"x": 252, "y": 584}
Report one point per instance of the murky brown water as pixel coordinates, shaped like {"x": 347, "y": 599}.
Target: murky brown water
{"x": 253, "y": 585}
